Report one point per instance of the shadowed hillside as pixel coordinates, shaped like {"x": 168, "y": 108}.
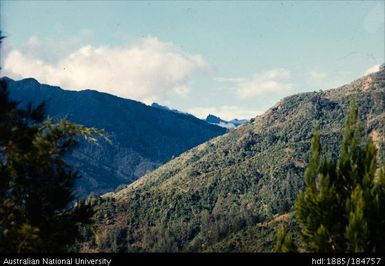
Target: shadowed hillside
{"x": 142, "y": 137}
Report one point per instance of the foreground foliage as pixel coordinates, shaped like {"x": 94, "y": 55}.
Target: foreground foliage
{"x": 341, "y": 209}
{"x": 36, "y": 185}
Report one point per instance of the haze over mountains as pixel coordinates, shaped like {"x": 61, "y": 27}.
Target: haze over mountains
{"x": 142, "y": 137}
{"x": 231, "y": 193}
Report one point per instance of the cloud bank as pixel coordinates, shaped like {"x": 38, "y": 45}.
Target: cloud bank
{"x": 372, "y": 69}
{"x": 272, "y": 81}
{"x": 226, "y": 112}
{"x": 146, "y": 70}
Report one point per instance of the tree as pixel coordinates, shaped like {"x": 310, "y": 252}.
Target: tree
{"x": 341, "y": 209}
{"x": 36, "y": 185}
{"x": 284, "y": 242}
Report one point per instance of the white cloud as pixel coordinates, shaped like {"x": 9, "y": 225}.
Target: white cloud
{"x": 317, "y": 76}
{"x": 146, "y": 70}
{"x": 182, "y": 90}
{"x": 233, "y": 80}
{"x": 272, "y": 81}
{"x": 226, "y": 112}
{"x": 372, "y": 69}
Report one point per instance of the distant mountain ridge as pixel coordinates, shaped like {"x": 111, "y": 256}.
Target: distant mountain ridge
{"x": 230, "y": 194}
{"x": 215, "y": 120}
{"x": 142, "y": 137}
{"x": 212, "y": 119}
{"x": 163, "y": 107}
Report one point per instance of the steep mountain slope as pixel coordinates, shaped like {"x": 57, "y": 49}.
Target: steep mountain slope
{"x": 230, "y": 193}
{"x": 142, "y": 137}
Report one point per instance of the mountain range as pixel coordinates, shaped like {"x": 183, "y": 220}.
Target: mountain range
{"x": 215, "y": 120}
{"x": 232, "y": 192}
{"x": 143, "y": 137}
{"x": 212, "y": 119}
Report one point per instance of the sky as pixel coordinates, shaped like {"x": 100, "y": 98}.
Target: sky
{"x": 234, "y": 59}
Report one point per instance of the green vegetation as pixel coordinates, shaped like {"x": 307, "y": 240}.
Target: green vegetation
{"x": 232, "y": 193}
{"x": 284, "y": 242}
{"x": 341, "y": 208}
{"x": 36, "y": 185}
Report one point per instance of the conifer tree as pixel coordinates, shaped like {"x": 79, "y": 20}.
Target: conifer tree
{"x": 341, "y": 209}
{"x": 284, "y": 242}
{"x": 36, "y": 185}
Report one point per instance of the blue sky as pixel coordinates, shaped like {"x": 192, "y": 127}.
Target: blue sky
{"x": 233, "y": 59}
